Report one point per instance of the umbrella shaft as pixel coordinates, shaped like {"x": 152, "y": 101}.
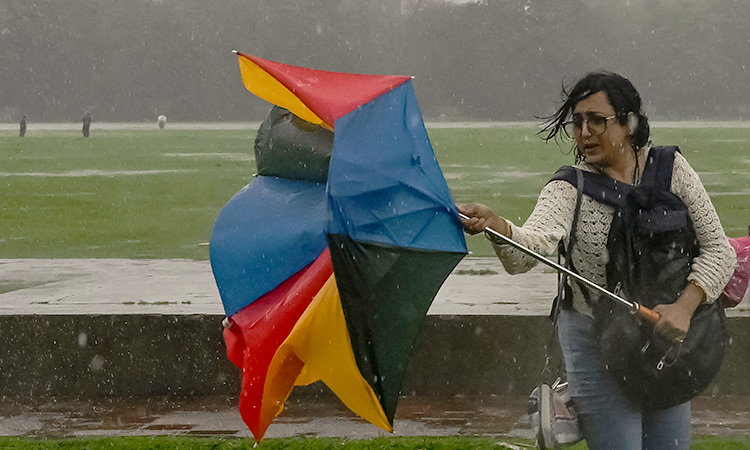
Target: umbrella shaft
{"x": 633, "y": 306}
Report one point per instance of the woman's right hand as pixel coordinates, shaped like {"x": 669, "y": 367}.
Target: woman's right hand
{"x": 480, "y": 218}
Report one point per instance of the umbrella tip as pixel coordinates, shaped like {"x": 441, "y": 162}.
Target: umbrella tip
{"x": 234, "y": 51}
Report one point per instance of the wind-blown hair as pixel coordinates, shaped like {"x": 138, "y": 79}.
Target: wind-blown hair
{"x": 621, "y": 94}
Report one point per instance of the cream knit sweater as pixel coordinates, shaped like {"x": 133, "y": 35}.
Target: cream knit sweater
{"x": 553, "y": 215}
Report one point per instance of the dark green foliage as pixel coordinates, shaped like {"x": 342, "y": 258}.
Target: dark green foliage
{"x": 498, "y": 60}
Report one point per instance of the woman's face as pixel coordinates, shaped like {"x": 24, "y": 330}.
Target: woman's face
{"x": 611, "y": 146}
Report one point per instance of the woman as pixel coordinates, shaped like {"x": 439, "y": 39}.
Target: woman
{"x": 603, "y": 114}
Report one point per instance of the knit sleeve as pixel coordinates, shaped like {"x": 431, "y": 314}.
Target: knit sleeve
{"x": 548, "y": 223}
{"x": 715, "y": 262}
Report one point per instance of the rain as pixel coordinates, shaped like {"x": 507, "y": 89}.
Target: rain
{"x": 478, "y": 60}
{"x": 474, "y": 62}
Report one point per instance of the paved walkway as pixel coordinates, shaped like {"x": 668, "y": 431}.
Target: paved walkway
{"x": 477, "y": 286}
{"x": 499, "y": 416}
{"x": 127, "y": 286}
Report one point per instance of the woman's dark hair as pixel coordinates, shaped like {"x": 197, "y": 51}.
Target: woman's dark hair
{"x": 621, "y": 94}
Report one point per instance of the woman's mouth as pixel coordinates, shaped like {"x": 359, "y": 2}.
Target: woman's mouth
{"x": 589, "y": 146}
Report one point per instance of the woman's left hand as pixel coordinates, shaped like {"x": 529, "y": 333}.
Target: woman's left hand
{"x": 674, "y": 322}
{"x": 675, "y": 318}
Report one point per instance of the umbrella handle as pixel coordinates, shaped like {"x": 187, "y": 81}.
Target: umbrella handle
{"x": 648, "y": 314}
{"x": 634, "y": 307}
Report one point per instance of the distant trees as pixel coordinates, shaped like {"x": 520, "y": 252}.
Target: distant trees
{"x": 492, "y": 60}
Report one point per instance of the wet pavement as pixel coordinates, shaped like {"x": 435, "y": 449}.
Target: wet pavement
{"x": 493, "y": 416}
{"x": 498, "y": 416}
{"x": 478, "y": 286}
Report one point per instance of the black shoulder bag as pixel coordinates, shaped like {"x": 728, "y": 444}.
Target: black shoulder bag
{"x": 651, "y": 245}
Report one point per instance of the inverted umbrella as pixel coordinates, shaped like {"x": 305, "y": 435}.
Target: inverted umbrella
{"x": 328, "y": 260}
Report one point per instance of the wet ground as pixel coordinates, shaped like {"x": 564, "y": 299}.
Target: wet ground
{"x": 498, "y": 416}
{"x": 219, "y": 416}
{"x": 478, "y": 286}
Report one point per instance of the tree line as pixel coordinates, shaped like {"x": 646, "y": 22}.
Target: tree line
{"x": 491, "y": 60}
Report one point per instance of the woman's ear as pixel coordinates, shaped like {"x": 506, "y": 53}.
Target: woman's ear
{"x": 632, "y": 123}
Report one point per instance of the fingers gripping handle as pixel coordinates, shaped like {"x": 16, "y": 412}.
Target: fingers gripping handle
{"x": 648, "y": 314}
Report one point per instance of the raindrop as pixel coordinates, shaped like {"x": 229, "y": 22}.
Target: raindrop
{"x": 97, "y": 363}
{"x": 83, "y": 339}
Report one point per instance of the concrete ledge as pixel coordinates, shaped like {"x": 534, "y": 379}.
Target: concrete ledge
{"x": 119, "y": 355}
{"x": 90, "y": 357}
{"x": 95, "y": 328}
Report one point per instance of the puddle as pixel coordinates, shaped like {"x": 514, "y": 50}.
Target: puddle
{"x": 228, "y": 156}
{"x": 16, "y": 285}
{"x": 475, "y": 272}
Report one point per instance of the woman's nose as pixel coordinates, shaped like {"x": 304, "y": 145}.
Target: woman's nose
{"x": 585, "y": 129}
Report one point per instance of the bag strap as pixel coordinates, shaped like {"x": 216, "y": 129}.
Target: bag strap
{"x": 562, "y": 281}
{"x": 657, "y": 172}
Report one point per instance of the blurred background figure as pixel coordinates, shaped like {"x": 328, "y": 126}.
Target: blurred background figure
{"x": 22, "y": 128}
{"x": 86, "y": 124}
{"x": 161, "y": 121}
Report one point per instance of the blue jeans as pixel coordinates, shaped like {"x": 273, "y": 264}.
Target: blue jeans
{"x": 610, "y": 421}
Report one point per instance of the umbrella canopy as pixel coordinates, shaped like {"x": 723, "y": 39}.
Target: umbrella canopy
{"x": 328, "y": 260}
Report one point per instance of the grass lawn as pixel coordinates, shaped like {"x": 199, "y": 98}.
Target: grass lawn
{"x": 156, "y": 194}
{"x": 121, "y": 194}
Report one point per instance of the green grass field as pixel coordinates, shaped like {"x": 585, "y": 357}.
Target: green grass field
{"x": 152, "y": 194}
